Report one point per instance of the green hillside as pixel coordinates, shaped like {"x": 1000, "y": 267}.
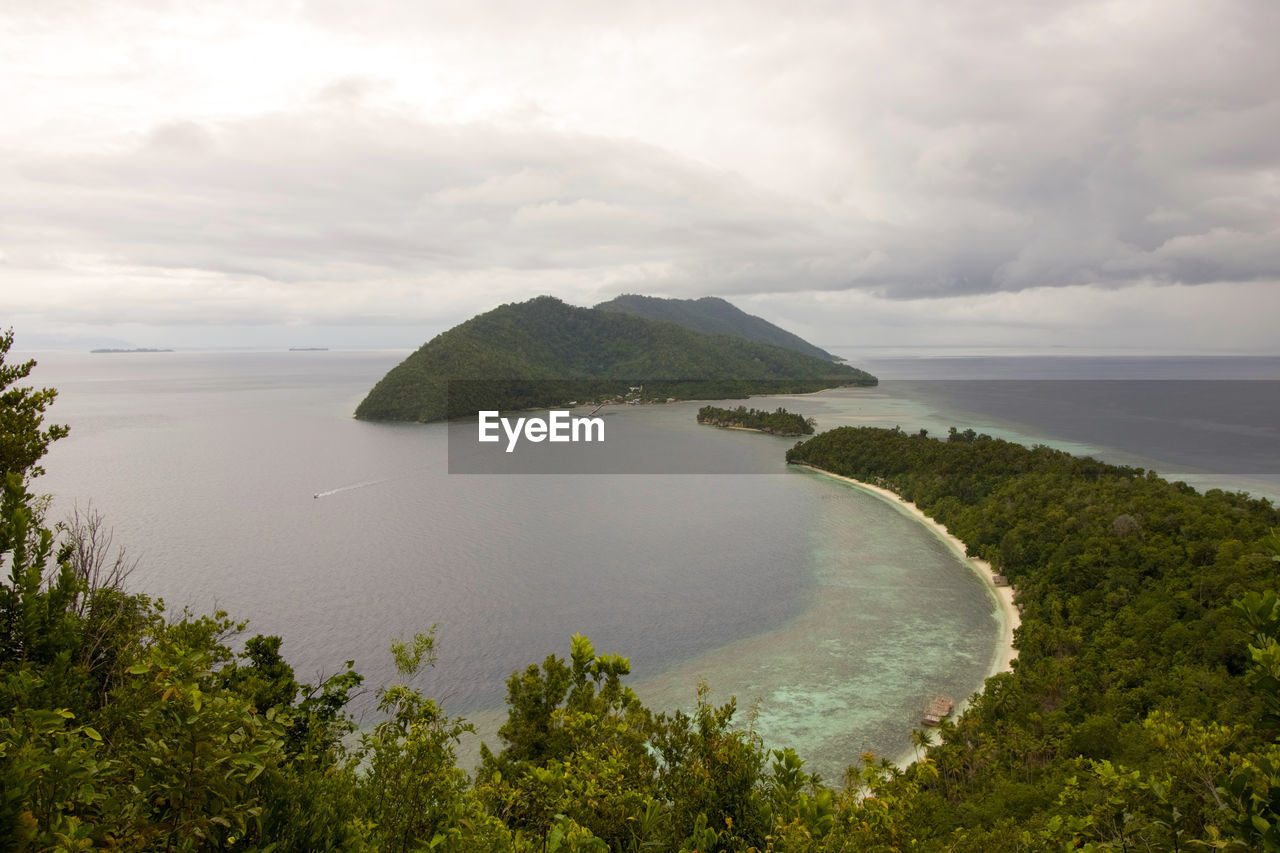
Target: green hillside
{"x": 544, "y": 352}
{"x": 712, "y": 316}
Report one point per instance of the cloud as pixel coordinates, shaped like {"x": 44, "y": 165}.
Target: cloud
{"x": 1228, "y": 318}
{"x": 308, "y": 201}
{"x": 409, "y": 162}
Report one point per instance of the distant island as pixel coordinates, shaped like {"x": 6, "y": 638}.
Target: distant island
{"x": 543, "y": 353}
{"x": 779, "y": 422}
{"x": 308, "y": 349}
{"x": 135, "y": 349}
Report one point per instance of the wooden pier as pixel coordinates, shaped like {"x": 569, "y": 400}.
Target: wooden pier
{"x": 938, "y": 709}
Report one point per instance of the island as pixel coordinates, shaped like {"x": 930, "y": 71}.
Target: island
{"x": 778, "y": 422}
{"x": 135, "y": 349}
{"x": 544, "y": 353}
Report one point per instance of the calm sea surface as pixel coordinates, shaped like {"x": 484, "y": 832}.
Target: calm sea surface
{"x": 1212, "y": 421}
{"x": 241, "y": 482}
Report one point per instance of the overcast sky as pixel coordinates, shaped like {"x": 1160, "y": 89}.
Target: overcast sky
{"x": 996, "y": 172}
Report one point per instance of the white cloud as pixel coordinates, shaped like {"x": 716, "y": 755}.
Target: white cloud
{"x": 1237, "y": 317}
{"x": 314, "y": 162}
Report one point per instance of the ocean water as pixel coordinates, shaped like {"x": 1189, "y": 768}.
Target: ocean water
{"x": 240, "y": 481}
{"x": 1211, "y": 421}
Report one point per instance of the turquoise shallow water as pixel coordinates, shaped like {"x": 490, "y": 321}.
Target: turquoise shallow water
{"x": 893, "y": 619}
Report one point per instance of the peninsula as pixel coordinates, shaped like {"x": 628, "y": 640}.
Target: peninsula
{"x": 543, "y": 353}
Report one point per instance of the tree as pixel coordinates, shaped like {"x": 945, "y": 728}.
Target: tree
{"x": 22, "y": 441}
{"x": 413, "y": 794}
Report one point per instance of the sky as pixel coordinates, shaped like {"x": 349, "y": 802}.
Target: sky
{"x": 951, "y": 173}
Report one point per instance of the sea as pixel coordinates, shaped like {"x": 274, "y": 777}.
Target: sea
{"x": 239, "y": 481}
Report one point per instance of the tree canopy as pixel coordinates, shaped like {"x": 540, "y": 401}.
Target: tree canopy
{"x": 778, "y": 422}
{"x": 23, "y": 436}
{"x": 545, "y": 353}
{"x": 713, "y": 316}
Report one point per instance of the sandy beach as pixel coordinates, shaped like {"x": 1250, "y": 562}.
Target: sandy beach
{"x": 753, "y": 429}
{"x": 1009, "y": 617}
{"x": 1002, "y": 658}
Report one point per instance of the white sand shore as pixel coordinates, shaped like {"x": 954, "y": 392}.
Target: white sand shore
{"x": 753, "y": 429}
{"x": 1008, "y": 615}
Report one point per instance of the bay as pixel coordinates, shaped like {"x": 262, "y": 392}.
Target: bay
{"x": 241, "y": 482}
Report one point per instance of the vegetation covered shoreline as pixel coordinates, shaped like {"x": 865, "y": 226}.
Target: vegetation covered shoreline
{"x": 543, "y": 353}
{"x": 778, "y": 422}
{"x": 1141, "y": 712}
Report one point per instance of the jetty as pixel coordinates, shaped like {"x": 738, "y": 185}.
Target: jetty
{"x": 938, "y": 709}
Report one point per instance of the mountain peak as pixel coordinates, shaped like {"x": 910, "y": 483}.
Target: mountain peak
{"x": 712, "y": 315}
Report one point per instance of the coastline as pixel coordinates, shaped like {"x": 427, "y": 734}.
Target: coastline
{"x": 1008, "y": 615}
{"x": 798, "y": 704}
{"x": 753, "y": 429}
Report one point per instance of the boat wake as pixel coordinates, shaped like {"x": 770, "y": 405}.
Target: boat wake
{"x": 352, "y": 487}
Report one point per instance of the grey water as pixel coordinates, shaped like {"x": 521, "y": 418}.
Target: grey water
{"x": 1211, "y": 421}
{"x": 240, "y": 481}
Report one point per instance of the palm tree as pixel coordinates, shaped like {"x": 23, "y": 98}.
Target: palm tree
{"x": 921, "y": 740}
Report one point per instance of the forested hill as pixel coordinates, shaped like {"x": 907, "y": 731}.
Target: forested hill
{"x": 546, "y": 353}
{"x": 1137, "y": 717}
{"x": 712, "y": 316}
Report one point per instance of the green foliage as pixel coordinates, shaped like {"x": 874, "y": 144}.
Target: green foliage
{"x": 194, "y": 748}
{"x": 712, "y": 316}
{"x": 579, "y": 746}
{"x": 575, "y": 746}
{"x": 170, "y": 760}
{"x": 713, "y": 775}
{"x": 266, "y": 680}
{"x": 412, "y": 795}
{"x": 1260, "y": 612}
{"x": 36, "y": 622}
{"x": 22, "y": 439}
{"x": 546, "y": 353}
{"x": 22, "y": 415}
{"x": 779, "y": 422}
{"x": 1125, "y": 583}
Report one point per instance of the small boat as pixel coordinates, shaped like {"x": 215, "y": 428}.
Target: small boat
{"x": 938, "y": 709}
